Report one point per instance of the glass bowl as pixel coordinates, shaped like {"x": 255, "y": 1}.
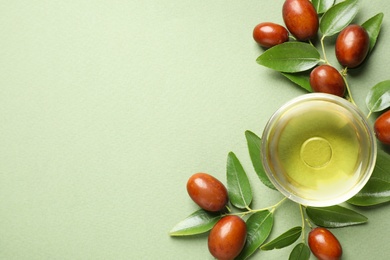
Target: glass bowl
{"x": 318, "y": 150}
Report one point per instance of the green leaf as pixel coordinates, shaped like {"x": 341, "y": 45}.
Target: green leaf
{"x": 377, "y": 189}
{"x": 378, "y": 98}
{"x": 285, "y": 239}
{"x": 338, "y": 17}
{"x": 198, "y": 222}
{"x": 254, "y": 147}
{"x": 238, "y": 186}
{"x": 300, "y": 252}
{"x": 322, "y": 6}
{"x": 334, "y": 216}
{"x": 382, "y": 166}
{"x": 290, "y": 57}
{"x": 301, "y": 79}
{"x": 373, "y": 27}
{"x": 259, "y": 226}
{"x": 375, "y": 192}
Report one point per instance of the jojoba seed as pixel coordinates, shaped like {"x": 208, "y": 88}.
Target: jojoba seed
{"x": 301, "y": 19}
{"x": 324, "y": 245}
{"x": 382, "y": 127}
{"x": 327, "y": 79}
{"x": 270, "y": 34}
{"x": 208, "y": 192}
{"x": 352, "y": 46}
{"x": 227, "y": 238}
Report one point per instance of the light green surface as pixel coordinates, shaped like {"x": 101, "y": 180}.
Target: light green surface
{"x": 107, "y": 107}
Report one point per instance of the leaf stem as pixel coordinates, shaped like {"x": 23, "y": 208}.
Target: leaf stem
{"x": 344, "y": 75}
{"x": 278, "y": 204}
{"x": 228, "y": 208}
{"x": 251, "y": 211}
{"x": 323, "y": 49}
{"x": 306, "y": 219}
{"x": 308, "y": 222}
{"x": 292, "y": 37}
{"x": 303, "y": 224}
{"x": 369, "y": 114}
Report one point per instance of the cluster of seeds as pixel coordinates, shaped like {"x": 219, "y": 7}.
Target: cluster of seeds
{"x": 351, "y": 49}
{"x": 233, "y": 236}
{"x": 228, "y": 236}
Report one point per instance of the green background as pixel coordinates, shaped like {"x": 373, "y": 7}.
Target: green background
{"x": 107, "y": 108}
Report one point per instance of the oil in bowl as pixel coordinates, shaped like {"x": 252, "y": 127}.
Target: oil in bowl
{"x": 318, "y": 150}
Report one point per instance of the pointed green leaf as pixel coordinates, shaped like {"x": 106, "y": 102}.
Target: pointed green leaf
{"x": 334, "y": 216}
{"x": 322, "y": 6}
{"x": 290, "y": 57}
{"x": 301, "y": 79}
{"x": 373, "y": 27}
{"x": 382, "y": 166}
{"x": 375, "y": 192}
{"x": 377, "y": 189}
{"x": 338, "y": 17}
{"x": 198, "y": 222}
{"x": 259, "y": 226}
{"x": 254, "y": 147}
{"x": 378, "y": 98}
{"x": 285, "y": 239}
{"x": 238, "y": 186}
{"x": 300, "y": 252}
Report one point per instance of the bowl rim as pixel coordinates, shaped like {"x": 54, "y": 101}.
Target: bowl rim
{"x": 358, "y": 115}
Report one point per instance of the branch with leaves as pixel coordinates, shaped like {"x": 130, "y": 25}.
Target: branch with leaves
{"x": 295, "y": 60}
{"x": 260, "y": 221}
